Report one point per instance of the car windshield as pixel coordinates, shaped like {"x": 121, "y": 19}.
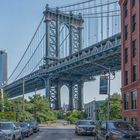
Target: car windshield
{"x": 33, "y": 123}
{"x": 120, "y": 126}
{"x": 6, "y": 126}
{"x": 85, "y": 123}
{"x": 23, "y": 125}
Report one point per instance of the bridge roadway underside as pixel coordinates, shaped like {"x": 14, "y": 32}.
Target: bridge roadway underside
{"x": 80, "y": 66}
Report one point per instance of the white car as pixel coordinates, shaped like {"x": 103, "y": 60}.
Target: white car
{"x": 11, "y": 131}
{"x": 2, "y": 135}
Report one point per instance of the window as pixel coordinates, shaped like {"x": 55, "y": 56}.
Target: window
{"x": 126, "y": 119}
{"x": 126, "y": 77}
{"x": 89, "y": 112}
{"x": 134, "y": 73}
{"x": 125, "y": 9}
{"x": 133, "y": 23}
{"x": 133, "y": 99}
{"x": 126, "y": 32}
{"x": 103, "y": 125}
{"x": 134, "y": 48}
{"x": 134, "y": 122}
{"x": 126, "y": 55}
{"x": 126, "y": 98}
{"x": 133, "y": 3}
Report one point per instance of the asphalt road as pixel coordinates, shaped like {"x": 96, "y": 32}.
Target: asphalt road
{"x": 57, "y": 134}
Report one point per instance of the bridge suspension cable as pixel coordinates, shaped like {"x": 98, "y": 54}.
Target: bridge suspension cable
{"x": 31, "y": 57}
{"x": 26, "y": 51}
{"x": 91, "y": 7}
{"x": 104, "y": 12}
{"x": 78, "y": 3}
{"x": 97, "y": 15}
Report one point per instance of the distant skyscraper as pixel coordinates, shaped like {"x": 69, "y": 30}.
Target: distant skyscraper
{"x": 3, "y": 66}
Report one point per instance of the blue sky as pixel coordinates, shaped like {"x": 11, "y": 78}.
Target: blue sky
{"x": 18, "y": 21}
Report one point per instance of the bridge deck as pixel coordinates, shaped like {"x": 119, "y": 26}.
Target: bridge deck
{"x": 79, "y": 66}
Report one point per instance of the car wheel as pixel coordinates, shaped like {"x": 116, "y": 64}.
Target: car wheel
{"x": 28, "y": 134}
{"x": 78, "y": 134}
{"x": 21, "y": 138}
{"x": 107, "y": 138}
{"x": 96, "y": 137}
{"x": 13, "y": 138}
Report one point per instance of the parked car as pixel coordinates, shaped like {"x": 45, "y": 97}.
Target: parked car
{"x": 115, "y": 130}
{"x": 2, "y": 135}
{"x": 26, "y": 129}
{"x": 34, "y": 125}
{"x": 85, "y": 127}
{"x": 11, "y": 131}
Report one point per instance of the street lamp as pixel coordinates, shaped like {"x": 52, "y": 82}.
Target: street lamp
{"x": 23, "y": 91}
{"x": 109, "y": 78}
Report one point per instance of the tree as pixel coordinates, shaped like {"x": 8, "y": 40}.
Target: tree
{"x": 35, "y": 108}
{"x": 115, "y": 108}
{"x": 72, "y": 117}
{"x": 41, "y": 109}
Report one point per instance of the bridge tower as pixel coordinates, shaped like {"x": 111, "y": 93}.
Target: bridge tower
{"x": 130, "y": 13}
{"x": 54, "y": 19}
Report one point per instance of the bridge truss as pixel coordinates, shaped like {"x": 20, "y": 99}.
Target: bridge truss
{"x": 57, "y": 54}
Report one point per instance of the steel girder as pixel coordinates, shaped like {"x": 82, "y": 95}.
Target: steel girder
{"x": 79, "y": 66}
{"x": 54, "y": 19}
{"x": 75, "y": 95}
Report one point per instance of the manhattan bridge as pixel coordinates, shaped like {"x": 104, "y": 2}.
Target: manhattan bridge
{"x": 66, "y": 48}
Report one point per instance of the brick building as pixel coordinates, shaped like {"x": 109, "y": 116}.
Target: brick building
{"x": 130, "y": 14}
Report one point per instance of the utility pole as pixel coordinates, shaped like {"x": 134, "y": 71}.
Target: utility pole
{"x": 109, "y": 94}
{"x": 2, "y": 94}
{"x": 2, "y": 99}
{"x": 109, "y": 78}
{"x": 23, "y": 92}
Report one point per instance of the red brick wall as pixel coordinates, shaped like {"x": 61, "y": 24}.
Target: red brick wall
{"x": 131, "y": 61}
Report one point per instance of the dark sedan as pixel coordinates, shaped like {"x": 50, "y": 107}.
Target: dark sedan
{"x": 34, "y": 125}
{"x": 26, "y": 129}
{"x": 115, "y": 130}
{"x": 85, "y": 127}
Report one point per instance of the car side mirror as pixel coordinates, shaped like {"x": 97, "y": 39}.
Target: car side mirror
{"x": 103, "y": 128}
{"x": 15, "y": 128}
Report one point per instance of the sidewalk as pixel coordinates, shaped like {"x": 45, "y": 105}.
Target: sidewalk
{"x": 56, "y": 125}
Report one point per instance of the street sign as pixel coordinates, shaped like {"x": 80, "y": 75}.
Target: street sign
{"x": 7, "y": 116}
{"x": 103, "y": 85}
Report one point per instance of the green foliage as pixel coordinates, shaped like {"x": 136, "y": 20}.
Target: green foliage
{"x": 36, "y": 108}
{"x": 115, "y": 108}
{"x": 72, "y": 117}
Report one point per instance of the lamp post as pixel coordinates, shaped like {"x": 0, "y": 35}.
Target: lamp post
{"x": 23, "y": 92}
{"x": 109, "y": 78}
